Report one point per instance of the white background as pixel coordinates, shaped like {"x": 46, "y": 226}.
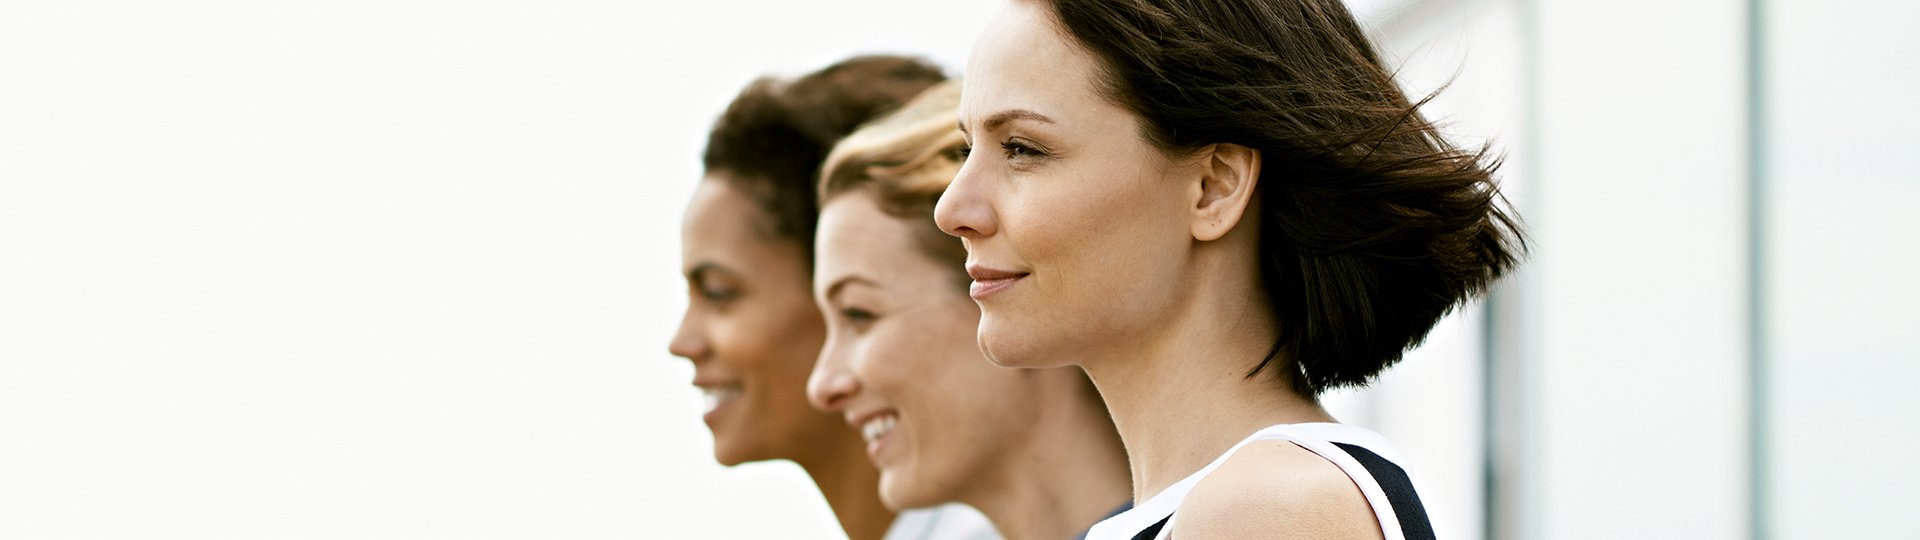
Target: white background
{"x": 377, "y": 269}
{"x": 408, "y": 269}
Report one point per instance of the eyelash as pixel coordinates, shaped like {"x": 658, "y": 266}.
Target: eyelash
{"x": 717, "y": 295}
{"x": 1014, "y": 150}
{"x": 857, "y": 314}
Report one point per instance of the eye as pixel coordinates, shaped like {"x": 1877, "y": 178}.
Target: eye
{"x": 1020, "y": 150}
{"x": 717, "y": 294}
{"x": 713, "y": 285}
{"x": 961, "y": 152}
{"x": 859, "y": 318}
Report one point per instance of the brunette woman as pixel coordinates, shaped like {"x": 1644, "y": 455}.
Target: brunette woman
{"x": 1220, "y": 210}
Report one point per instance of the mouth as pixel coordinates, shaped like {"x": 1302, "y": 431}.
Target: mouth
{"x": 987, "y": 280}
{"x": 874, "y": 429}
{"x": 717, "y": 398}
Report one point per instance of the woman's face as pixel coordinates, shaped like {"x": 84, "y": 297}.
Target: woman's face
{"x": 900, "y": 364}
{"x": 750, "y": 329}
{"x": 1075, "y": 235}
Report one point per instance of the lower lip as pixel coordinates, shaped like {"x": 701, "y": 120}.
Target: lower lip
{"x": 875, "y": 446}
{"x": 981, "y": 289}
{"x": 714, "y": 414}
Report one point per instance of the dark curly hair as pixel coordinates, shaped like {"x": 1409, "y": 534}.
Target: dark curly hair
{"x": 1372, "y": 225}
{"x": 773, "y": 137}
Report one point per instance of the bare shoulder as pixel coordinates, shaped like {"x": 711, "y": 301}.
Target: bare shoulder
{"x": 1276, "y": 489}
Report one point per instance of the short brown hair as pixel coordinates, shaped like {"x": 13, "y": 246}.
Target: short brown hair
{"x": 1372, "y": 226}
{"x": 906, "y": 159}
{"x": 773, "y": 137}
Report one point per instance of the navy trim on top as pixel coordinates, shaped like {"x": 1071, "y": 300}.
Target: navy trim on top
{"x": 1150, "y": 532}
{"x": 1393, "y": 480}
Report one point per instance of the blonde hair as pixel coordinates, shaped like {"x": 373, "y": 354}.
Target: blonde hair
{"x": 905, "y": 161}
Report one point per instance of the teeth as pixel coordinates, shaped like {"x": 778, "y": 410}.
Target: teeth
{"x": 715, "y": 397}
{"x": 878, "y": 427}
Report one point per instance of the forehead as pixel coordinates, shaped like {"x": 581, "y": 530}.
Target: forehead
{"x": 856, "y": 238}
{"x": 724, "y": 225}
{"x": 1023, "y": 61}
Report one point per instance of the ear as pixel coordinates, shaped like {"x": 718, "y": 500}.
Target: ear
{"x": 1229, "y": 174}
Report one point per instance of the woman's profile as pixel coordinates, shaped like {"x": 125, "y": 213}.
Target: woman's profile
{"x": 1033, "y": 449}
{"x": 751, "y": 329}
{"x": 1219, "y": 210}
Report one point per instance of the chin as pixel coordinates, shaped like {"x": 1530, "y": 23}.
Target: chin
{"x": 1014, "y": 346}
{"x": 902, "y": 492}
{"x": 732, "y": 448}
{"x": 725, "y": 454}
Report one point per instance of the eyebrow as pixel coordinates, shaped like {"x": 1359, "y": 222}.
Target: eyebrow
{"x": 699, "y": 271}
{"x": 1001, "y": 118}
{"x": 843, "y": 282}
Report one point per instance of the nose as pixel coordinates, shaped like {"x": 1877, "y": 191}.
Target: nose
{"x": 963, "y": 210}
{"x": 690, "y": 340}
{"x": 831, "y": 385}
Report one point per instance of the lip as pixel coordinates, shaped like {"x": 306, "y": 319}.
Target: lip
{"x": 874, "y": 447}
{"x": 988, "y": 280}
{"x": 709, "y": 387}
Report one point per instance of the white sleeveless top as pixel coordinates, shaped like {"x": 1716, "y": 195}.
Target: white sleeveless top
{"x": 1364, "y": 455}
{"x": 944, "y": 522}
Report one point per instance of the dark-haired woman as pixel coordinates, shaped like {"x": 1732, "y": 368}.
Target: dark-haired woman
{"x": 1218, "y": 210}
{"x": 751, "y": 329}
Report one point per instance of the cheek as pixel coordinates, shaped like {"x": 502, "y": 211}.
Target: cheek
{"x": 1104, "y": 234}
{"x": 773, "y": 352}
{"x": 956, "y": 391}
{"x": 904, "y": 364}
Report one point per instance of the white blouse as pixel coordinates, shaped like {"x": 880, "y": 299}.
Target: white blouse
{"x": 944, "y": 522}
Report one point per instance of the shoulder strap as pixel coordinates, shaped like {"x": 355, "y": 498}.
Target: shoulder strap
{"x": 1399, "y": 488}
{"x": 1153, "y": 531}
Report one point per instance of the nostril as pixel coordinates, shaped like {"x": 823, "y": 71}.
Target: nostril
{"x": 961, "y": 216}
{"x": 828, "y": 403}
{"x": 829, "y": 392}
{"x": 684, "y": 349}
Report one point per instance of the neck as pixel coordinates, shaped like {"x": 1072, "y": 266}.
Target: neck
{"x": 1180, "y": 396}
{"x": 851, "y": 486}
{"x": 1071, "y": 474}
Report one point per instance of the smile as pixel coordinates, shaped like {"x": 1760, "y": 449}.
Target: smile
{"x": 874, "y": 429}
{"x": 878, "y": 427}
{"x": 719, "y": 396}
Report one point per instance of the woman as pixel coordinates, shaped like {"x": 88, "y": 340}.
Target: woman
{"x": 750, "y": 328}
{"x": 1218, "y": 210}
{"x": 1032, "y": 449}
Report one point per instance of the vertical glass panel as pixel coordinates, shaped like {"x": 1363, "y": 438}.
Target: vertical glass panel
{"x": 1840, "y": 281}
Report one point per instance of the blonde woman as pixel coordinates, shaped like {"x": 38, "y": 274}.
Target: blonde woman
{"x": 1033, "y": 449}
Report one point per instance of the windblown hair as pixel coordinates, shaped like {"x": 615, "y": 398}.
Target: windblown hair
{"x": 1372, "y": 226}
{"x": 773, "y": 137}
{"x": 906, "y": 160}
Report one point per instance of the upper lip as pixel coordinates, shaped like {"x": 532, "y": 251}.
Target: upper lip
{"x": 860, "y": 419}
{"x": 986, "y": 273}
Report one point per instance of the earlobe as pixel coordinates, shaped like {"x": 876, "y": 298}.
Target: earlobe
{"x": 1230, "y": 174}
